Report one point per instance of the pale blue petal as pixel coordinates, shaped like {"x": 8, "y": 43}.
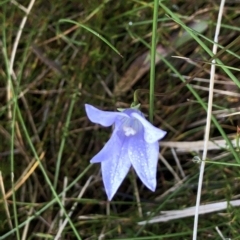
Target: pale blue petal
{"x": 115, "y": 170}
{"x": 110, "y": 150}
{"x": 105, "y": 118}
{"x": 144, "y": 158}
{"x": 129, "y": 111}
{"x": 151, "y": 133}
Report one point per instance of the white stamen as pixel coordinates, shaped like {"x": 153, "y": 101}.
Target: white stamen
{"x": 129, "y": 131}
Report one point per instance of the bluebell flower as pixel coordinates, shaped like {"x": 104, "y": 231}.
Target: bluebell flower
{"x": 134, "y": 142}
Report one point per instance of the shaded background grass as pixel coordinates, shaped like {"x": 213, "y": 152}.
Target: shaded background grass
{"x": 59, "y": 65}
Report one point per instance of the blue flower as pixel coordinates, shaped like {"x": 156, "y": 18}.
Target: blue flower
{"x": 134, "y": 142}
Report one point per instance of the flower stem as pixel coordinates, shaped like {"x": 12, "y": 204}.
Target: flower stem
{"x": 153, "y": 55}
{"x": 135, "y": 98}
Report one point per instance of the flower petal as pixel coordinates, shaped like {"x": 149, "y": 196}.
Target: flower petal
{"x": 105, "y": 118}
{"x": 115, "y": 169}
{"x": 144, "y": 158}
{"x": 111, "y": 149}
{"x": 151, "y": 133}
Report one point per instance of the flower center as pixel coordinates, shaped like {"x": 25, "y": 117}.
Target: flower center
{"x": 130, "y": 127}
{"x": 129, "y": 130}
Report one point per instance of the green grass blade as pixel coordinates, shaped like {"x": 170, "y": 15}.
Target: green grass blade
{"x": 91, "y": 31}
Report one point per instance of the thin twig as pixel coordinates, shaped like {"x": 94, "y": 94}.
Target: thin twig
{"x": 5, "y": 201}
{"x": 73, "y": 208}
{"x": 168, "y": 166}
{"x": 65, "y": 183}
{"x": 19, "y": 6}
{"x": 220, "y": 233}
{"x": 208, "y": 122}
{"x": 25, "y": 175}
{"x": 13, "y": 54}
{"x": 136, "y": 192}
{"x": 178, "y": 162}
{"x": 166, "y": 216}
{"x": 30, "y": 212}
